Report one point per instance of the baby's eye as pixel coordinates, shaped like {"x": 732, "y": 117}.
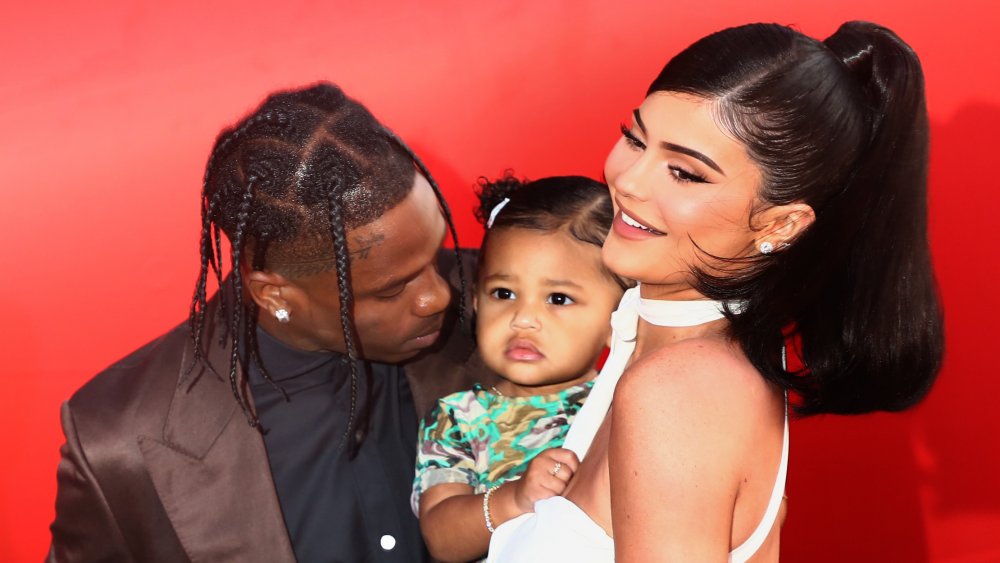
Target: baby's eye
{"x": 502, "y": 293}
{"x": 560, "y": 299}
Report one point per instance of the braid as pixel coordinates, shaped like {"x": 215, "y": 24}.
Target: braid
{"x": 237, "y": 314}
{"x": 305, "y": 163}
{"x": 447, "y": 217}
{"x": 220, "y": 311}
{"x": 346, "y": 314}
{"x": 250, "y": 335}
{"x": 237, "y": 317}
{"x": 199, "y": 300}
{"x": 259, "y": 251}
{"x": 209, "y": 255}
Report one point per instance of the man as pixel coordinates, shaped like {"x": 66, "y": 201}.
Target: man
{"x": 278, "y": 425}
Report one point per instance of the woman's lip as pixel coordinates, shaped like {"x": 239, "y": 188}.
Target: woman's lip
{"x": 622, "y": 210}
{"x": 523, "y": 350}
{"x": 624, "y": 230}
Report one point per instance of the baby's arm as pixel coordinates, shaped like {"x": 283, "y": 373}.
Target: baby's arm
{"x": 451, "y": 515}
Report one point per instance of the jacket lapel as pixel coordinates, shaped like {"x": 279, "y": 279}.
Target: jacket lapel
{"x": 210, "y": 469}
{"x": 211, "y": 472}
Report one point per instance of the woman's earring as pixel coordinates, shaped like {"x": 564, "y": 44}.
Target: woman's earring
{"x": 766, "y": 247}
{"x": 282, "y": 316}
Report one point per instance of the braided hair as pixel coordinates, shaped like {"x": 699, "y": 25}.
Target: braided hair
{"x": 577, "y": 205}
{"x": 286, "y": 184}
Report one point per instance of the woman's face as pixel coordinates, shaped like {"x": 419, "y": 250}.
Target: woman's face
{"x": 677, "y": 181}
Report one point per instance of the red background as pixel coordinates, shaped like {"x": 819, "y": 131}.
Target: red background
{"x": 109, "y": 109}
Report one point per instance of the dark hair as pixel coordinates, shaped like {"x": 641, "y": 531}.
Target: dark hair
{"x": 842, "y": 126}
{"x": 577, "y": 205}
{"x": 285, "y": 185}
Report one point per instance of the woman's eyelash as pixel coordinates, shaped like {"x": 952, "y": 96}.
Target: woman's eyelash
{"x": 682, "y": 175}
{"x": 631, "y": 138}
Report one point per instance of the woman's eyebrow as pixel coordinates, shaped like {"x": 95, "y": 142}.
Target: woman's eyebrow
{"x": 679, "y": 148}
{"x": 692, "y": 153}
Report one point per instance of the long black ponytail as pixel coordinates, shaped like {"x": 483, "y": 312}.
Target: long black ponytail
{"x": 842, "y": 126}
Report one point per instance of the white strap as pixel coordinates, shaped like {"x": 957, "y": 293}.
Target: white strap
{"x": 624, "y": 323}
{"x": 591, "y": 415}
{"x": 682, "y": 313}
{"x": 746, "y": 550}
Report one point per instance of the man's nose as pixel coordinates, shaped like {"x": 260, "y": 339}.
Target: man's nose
{"x": 435, "y": 296}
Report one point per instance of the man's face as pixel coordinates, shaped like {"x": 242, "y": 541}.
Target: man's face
{"x": 399, "y": 298}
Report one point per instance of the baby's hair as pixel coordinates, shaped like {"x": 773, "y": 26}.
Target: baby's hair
{"x": 577, "y": 205}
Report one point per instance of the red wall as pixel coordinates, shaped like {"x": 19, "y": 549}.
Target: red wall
{"x": 108, "y": 111}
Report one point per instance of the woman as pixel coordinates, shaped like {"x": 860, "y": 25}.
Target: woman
{"x": 770, "y": 188}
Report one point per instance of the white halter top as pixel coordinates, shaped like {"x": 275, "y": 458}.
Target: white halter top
{"x": 558, "y": 529}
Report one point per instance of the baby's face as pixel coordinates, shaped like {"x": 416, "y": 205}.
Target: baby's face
{"x": 543, "y": 304}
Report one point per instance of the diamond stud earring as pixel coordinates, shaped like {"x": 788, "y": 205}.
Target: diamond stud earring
{"x": 766, "y": 247}
{"x": 282, "y": 315}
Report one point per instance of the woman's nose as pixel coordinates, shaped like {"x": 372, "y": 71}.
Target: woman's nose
{"x": 631, "y": 182}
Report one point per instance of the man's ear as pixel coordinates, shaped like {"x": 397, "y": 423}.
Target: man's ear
{"x": 269, "y": 290}
{"x": 781, "y": 224}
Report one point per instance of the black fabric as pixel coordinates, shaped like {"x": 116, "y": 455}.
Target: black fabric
{"x": 338, "y": 509}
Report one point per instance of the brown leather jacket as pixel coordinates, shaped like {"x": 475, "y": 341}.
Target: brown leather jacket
{"x": 161, "y": 465}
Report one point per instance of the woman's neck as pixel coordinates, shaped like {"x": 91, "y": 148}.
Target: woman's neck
{"x": 669, "y": 292}
{"x": 652, "y": 335}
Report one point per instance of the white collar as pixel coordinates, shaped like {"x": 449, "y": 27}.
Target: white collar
{"x": 680, "y": 313}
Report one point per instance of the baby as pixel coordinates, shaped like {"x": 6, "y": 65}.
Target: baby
{"x": 543, "y": 303}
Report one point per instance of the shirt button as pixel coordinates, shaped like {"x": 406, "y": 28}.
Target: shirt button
{"x": 388, "y": 542}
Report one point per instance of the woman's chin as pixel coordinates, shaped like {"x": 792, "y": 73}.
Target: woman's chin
{"x": 623, "y": 261}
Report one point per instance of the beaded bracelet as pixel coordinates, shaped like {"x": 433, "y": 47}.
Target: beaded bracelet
{"x": 486, "y": 507}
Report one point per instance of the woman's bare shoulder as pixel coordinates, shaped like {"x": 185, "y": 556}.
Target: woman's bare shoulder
{"x": 682, "y": 425}
{"x": 697, "y": 365}
{"x": 704, "y": 383}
